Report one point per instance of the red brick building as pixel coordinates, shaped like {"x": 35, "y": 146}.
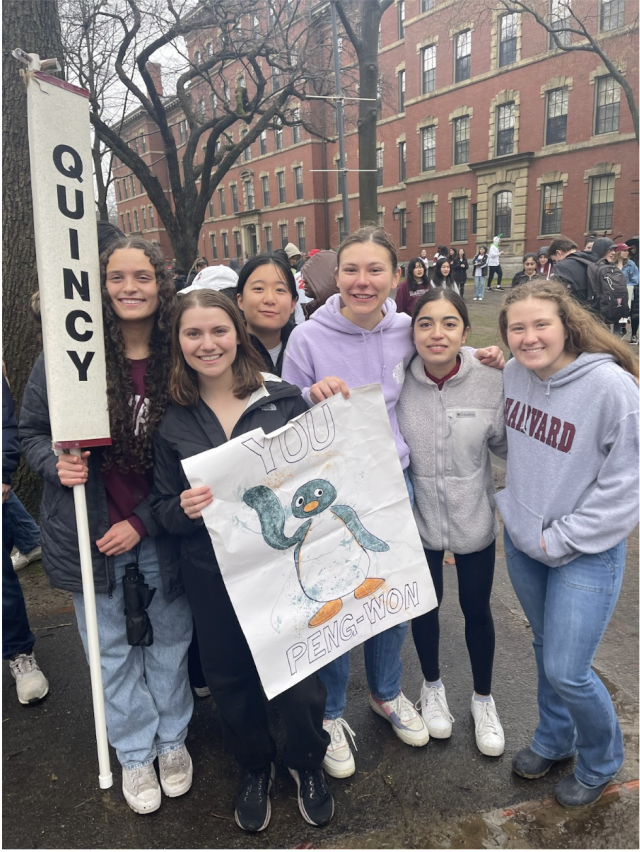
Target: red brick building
{"x": 483, "y": 128}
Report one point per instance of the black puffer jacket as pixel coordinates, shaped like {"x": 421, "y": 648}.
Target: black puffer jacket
{"x": 60, "y": 556}
{"x": 186, "y": 431}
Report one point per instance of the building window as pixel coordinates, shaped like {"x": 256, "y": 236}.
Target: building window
{"x": 502, "y": 204}
{"x": 222, "y": 204}
{"x": 506, "y": 121}
{"x": 125, "y": 187}
{"x": 379, "y": 167}
{"x": 143, "y": 143}
{"x": 463, "y": 56}
{"x": 284, "y": 235}
{"x": 428, "y": 64}
{"x": 508, "y": 25}
{"x": 601, "y": 203}
{"x": 234, "y": 198}
{"x": 282, "y": 189}
{"x": 460, "y": 219}
{"x": 136, "y": 220}
{"x": 202, "y": 110}
{"x": 209, "y": 50}
{"x": 402, "y": 161}
{"x": 402, "y": 228}
{"x": 124, "y": 230}
{"x": 227, "y": 92}
{"x": 428, "y": 222}
{"x": 132, "y": 181}
{"x": 197, "y": 57}
{"x": 246, "y": 154}
{"x": 341, "y": 231}
{"x": 295, "y": 130}
{"x": 266, "y": 198}
{"x": 278, "y": 137}
{"x": 143, "y": 210}
{"x": 474, "y": 218}
{"x": 263, "y": 142}
{"x": 268, "y": 238}
{"x": 272, "y": 16}
{"x": 210, "y": 208}
{"x": 607, "y": 105}
{"x": 611, "y": 14}
{"x": 428, "y": 148}
{"x": 140, "y": 187}
{"x": 301, "y": 238}
{"x": 248, "y": 188}
{"x": 461, "y": 127}
{"x": 118, "y": 190}
{"x": 401, "y": 90}
{"x": 380, "y": 219}
{"x": 557, "y": 108}
{"x": 379, "y": 94}
{"x": 238, "y": 243}
{"x": 214, "y": 105}
{"x": 214, "y": 246}
{"x": 426, "y": 5}
{"x": 275, "y": 79}
{"x": 400, "y": 19}
{"x": 128, "y": 221}
{"x": 551, "y": 219}
{"x": 225, "y": 244}
{"x": 558, "y": 20}
{"x": 152, "y": 218}
{"x": 297, "y": 180}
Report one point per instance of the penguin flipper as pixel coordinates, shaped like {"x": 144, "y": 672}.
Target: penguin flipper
{"x": 271, "y": 515}
{"x": 353, "y": 523}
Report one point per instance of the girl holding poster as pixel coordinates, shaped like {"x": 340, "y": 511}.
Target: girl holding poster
{"x": 570, "y": 501}
{"x": 451, "y": 414}
{"x": 219, "y": 391}
{"x": 148, "y": 702}
{"x": 358, "y": 338}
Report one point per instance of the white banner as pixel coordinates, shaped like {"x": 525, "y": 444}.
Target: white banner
{"x": 314, "y": 534}
{"x": 67, "y": 258}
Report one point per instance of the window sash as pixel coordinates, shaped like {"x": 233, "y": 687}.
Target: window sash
{"x": 401, "y": 90}
{"x": 551, "y": 219}
{"x": 284, "y": 234}
{"x": 301, "y": 238}
{"x": 282, "y": 188}
{"x": 222, "y": 203}
{"x": 402, "y": 161}
{"x": 428, "y": 222}
{"x": 428, "y": 69}
{"x": 263, "y": 142}
{"x": 460, "y": 219}
{"x": 234, "y": 199}
{"x": 251, "y": 200}
{"x": 461, "y": 140}
{"x": 225, "y": 245}
{"x": 428, "y": 148}
{"x": 508, "y": 39}
{"x": 268, "y": 238}
{"x": 402, "y": 226}
{"x": 608, "y": 106}
{"x": 379, "y": 167}
{"x": 214, "y": 246}
{"x": 502, "y": 209}
{"x": 266, "y": 197}
{"x": 426, "y": 5}
{"x": 611, "y": 14}
{"x": 601, "y": 206}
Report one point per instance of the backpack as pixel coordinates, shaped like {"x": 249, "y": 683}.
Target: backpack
{"x": 608, "y": 291}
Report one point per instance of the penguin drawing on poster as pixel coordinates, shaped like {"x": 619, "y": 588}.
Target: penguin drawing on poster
{"x": 326, "y": 571}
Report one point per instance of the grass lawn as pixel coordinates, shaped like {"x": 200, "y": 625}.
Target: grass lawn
{"x": 484, "y": 317}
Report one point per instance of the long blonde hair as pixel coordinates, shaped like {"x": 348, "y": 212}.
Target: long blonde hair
{"x": 585, "y": 332}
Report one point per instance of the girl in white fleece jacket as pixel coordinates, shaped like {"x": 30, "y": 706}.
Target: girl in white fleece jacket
{"x": 451, "y": 414}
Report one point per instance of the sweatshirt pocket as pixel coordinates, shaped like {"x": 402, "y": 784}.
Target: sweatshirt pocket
{"x": 523, "y": 525}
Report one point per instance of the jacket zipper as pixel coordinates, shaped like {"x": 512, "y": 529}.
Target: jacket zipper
{"x": 441, "y": 450}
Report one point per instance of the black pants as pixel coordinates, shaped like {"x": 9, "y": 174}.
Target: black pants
{"x": 475, "y": 579}
{"x": 232, "y": 677}
{"x": 492, "y": 271}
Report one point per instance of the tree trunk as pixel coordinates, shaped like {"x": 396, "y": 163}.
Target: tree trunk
{"x": 368, "y": 113}
{"x": 32, "y": 25}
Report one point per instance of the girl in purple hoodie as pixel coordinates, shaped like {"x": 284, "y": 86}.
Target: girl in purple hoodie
{"x": 359, "y": 338}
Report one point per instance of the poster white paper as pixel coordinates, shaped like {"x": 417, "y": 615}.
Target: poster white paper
{"x": 314, "y": 535}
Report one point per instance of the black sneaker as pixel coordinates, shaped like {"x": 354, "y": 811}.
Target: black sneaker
{"x": 253, "y": 805}
{"x": 314, "y": 796}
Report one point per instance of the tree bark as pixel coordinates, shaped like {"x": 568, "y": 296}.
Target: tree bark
{"x": 33, "y": 26}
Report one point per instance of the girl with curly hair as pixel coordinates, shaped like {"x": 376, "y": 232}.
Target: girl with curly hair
{"x": 148, "y": 701}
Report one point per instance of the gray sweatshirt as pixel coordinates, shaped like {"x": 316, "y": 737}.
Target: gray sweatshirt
{"x": 449, "y": 434}
{"x": 572, "y": 474}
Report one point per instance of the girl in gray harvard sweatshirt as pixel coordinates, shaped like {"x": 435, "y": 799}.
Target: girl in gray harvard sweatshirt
{"x": 571, "y": 499}
{"x": 451, "y": 414}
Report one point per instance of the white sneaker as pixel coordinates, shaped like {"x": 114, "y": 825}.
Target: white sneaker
{"x": 176, "y": 771}
{"x": 404, "y": 718}
{"x": 489, "y": 733}
{"x": 338, "y": 761}
{"x": 202, "y": 691}
{"x": 141, "y": 789}
{"x": 31, "y": 684}
{"x": 435, "y": 711}
{"x": 21, "y": 560}
{"x": 475, "y": 298}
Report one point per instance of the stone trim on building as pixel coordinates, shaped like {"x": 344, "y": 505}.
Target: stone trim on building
{"x": 552, "y": 177}
{"x": 603, "y": 169}
{"x": 559, "y": 82}
{"x": 459, "y": 112}
{"x": 428, "y": 121}
{"x": 460, "y": 28}
{"x": 495, "y": 38}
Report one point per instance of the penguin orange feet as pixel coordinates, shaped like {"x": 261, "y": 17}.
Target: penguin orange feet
{"x": 326, "y": 613}
{"x": 368, "y": 587}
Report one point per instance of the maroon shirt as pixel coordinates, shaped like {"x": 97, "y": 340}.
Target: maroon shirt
{"x": 125, "y": 491}
{"x": 450, "y": 375}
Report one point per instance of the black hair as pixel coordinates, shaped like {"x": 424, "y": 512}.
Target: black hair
{"x": 438, "y": 278}
{"x": 530, "y": 254}
{"x": 412, "y": 283}
{"x": 441, "y": 293}
{"x": 262, "y": 260}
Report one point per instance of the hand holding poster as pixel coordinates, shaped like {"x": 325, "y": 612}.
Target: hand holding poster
{"x": 314, "y": 534}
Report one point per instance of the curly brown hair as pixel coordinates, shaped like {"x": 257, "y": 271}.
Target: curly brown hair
{"x": 131, "y": 452}
{"x": 585, "y": 331}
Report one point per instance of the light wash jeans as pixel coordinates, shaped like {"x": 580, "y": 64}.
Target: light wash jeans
{"x": 148, "y": 700}
{"x": 381, "y": 661}
{"x": 569, "y": 609}
{"x": 480, "y": 282}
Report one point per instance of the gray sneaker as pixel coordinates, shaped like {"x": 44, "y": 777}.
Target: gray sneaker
{"x": 21, "y": 560}
{"x": 31, "y": 684}
{"x": 141, "y": 789}
{"x": 176, "y": 771}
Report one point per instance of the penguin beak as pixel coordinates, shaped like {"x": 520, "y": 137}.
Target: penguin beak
{"x": 311, "y": 506}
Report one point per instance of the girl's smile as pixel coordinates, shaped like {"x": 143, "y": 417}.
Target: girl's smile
{"x": 537, "y": 336}
{"x": 438, "y": 334}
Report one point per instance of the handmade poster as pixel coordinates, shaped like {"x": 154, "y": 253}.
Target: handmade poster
{"x": 314, "y": 535}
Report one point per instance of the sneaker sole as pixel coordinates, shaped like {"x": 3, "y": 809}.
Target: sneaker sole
{"x": 402, "y": 735}
{"x": 306, "y": 816}
{"x": 344, "y": 769}
{"x": 35, "y": 700}
{"x": 272, "y": 775}
{"x": 490, "y": 751}
{"x": 438, "y": 735}
{"x": 136, "y": 808}
{"x": 180, "y": 790}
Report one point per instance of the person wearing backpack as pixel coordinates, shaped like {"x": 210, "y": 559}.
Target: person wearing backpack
{"x": 607, "y": 289}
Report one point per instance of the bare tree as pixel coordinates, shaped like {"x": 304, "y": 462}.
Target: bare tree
{"x": 572, "y": 30}
{"x": 250, "y": 67}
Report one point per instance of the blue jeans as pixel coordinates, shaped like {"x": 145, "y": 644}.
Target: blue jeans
{"x": 480, "y": 282}
{"x": 381, "y": 661}
{"x": 26, "y": 533}
{"x": 569, "y": 609}
{"x": 148, "y": 701}
{"x": 17, "y": 637}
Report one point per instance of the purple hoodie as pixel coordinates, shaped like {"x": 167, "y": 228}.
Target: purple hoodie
{"x": 328, "y": 344}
